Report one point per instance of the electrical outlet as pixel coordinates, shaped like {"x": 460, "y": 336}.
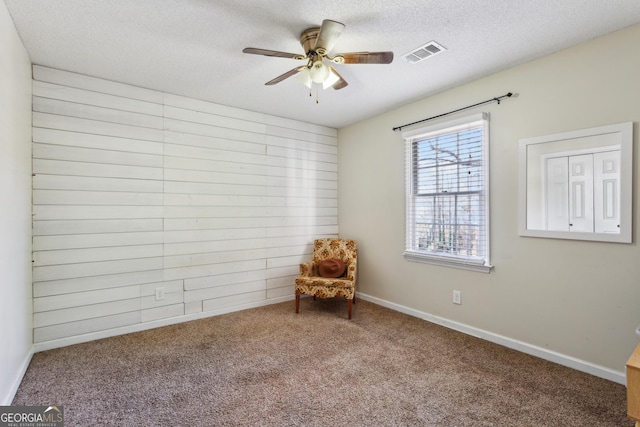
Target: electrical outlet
{"x": 457, "y": 297}
{"x": 159, "y": 294}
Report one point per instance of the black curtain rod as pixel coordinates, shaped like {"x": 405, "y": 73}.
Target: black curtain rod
{"x": 496, "y": 99}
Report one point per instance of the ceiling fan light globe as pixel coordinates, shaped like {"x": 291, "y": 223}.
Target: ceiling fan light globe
{"x": 319, "y": 72}
{"x": 304, "y": 76}
{"x": 331, "y": 80}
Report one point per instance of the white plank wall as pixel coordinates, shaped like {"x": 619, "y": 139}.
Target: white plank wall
{"x": 135, "y": 190}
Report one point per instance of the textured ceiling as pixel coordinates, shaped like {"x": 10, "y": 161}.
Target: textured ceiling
{"x": 194, "y": 47}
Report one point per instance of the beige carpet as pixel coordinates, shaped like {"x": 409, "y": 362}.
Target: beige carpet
{"x": 270, "y": 367}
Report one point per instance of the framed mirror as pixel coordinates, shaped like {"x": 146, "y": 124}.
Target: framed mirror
{"x": 577, "y": 185}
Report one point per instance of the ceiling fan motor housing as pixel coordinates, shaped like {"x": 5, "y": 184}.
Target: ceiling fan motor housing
{"x": 308, "y": 39}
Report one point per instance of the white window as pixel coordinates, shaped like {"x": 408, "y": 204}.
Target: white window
{"x": 447, "y": 217}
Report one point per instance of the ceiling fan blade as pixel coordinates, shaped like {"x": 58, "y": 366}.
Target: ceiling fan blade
{"x": 267, "y": 52}
{"x": 365, "y": 58}
{"x": 283, "y": 76}
{"x": 341, "y": 81}
{"x": 329, "y": 33}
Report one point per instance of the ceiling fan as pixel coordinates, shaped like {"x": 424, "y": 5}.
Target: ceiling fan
{"x": 317, "y": 42}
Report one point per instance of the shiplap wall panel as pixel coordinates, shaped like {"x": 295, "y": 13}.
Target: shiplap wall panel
{"x": 234, "y": 261}
{"x": 214, "y": 188}
{"x": 90, "y": 269}
{"x": 163, "y": 312}
{"x": 218, "y": 157}
{"x": 216, "y": 177}
{"x": 136, "y": 190}
{"x": 171, "y": 299}
{"x": 302, "y": 221}
{"x": 87, "y": 226}
{"x": 66, "y": 79}
{"x": 96, "y": 184}
{"x": 295, "y": 153}
{"x": 305, "y": 251}
{"x": 57, "y": 93}
{"x": 75, "y": 256}
{"x": 62, "y": 212}
{"x": 89, "y": 311}
{"x": 204, "y": 164}
{"x": 75, "y": 154}
{"x": 279, "y": 127}
{"x": 304, "y": 163}
{"x": 224, "y": 279}
{"x": 287, "y": 246}
{"x": 192, "y": 140}
{"x": 215, "y": 269}
{"x": 85, "y": 140}
{"x": 208, "y": 235}
{"x": 199, "y": 129}
{"x": 106, "y": 281}
{"x": 94, "y": 169}
{"x": 193, "y": 308}
{"x": 72, "y": 109}
{"x": 224, "y": 291}
{"x": 213, "y": 200}
{"x": 226, "y": 256}
{"x": 233, "y": 300}
{"x": 81, "y": 125}
{"x": 308, "y": 183}
{"x": 281, "y": 282}
{"x": 279, "y": 292}
{"x": 78, "y": 241}
{"x": 85, "y": 326}
{"x": 185, "y": 115}
{"x": 214, "y": 223}
{"x": 303, "y": 192}
{"x": 216, "y": 109}
{"x": 307, "y": 172}
{"x": 57, "y": 302}
{"x": 54, "y": 197}
{"x": 212, "y": 246}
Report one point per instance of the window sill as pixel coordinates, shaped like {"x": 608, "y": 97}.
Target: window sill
{"x": 453, "y": 262}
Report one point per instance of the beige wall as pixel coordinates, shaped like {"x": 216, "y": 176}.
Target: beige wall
{"x": 15, "y": 208}
{"x": 577, "y": 299}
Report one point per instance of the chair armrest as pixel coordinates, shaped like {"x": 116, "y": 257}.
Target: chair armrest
{"x": 352, "y": 270}
{"x": 306, "y": 269}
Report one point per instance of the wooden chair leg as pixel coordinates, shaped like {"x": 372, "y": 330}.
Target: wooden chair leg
{"x": 349, "y": 307}
{"x": 297, "y": 302}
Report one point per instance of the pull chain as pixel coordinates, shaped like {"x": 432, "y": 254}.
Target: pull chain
{"x": 317, "y": 93}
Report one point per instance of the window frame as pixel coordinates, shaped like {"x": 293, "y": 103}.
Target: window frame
{"x": 412, "y": 253}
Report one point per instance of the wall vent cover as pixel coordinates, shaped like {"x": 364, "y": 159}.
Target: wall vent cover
{"x": 424, "y": 52}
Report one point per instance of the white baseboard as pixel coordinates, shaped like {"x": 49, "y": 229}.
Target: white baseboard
{"x": 542, "y": 353}
{"x": 8, "y": 399}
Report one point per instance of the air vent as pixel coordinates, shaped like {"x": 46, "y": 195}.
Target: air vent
{"x": 424, "y": 52}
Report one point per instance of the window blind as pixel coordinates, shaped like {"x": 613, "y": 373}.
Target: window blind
{"x": 447, "y": 192}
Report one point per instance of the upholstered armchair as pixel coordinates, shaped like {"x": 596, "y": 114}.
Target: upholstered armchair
{"x": 331, "y": 272}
